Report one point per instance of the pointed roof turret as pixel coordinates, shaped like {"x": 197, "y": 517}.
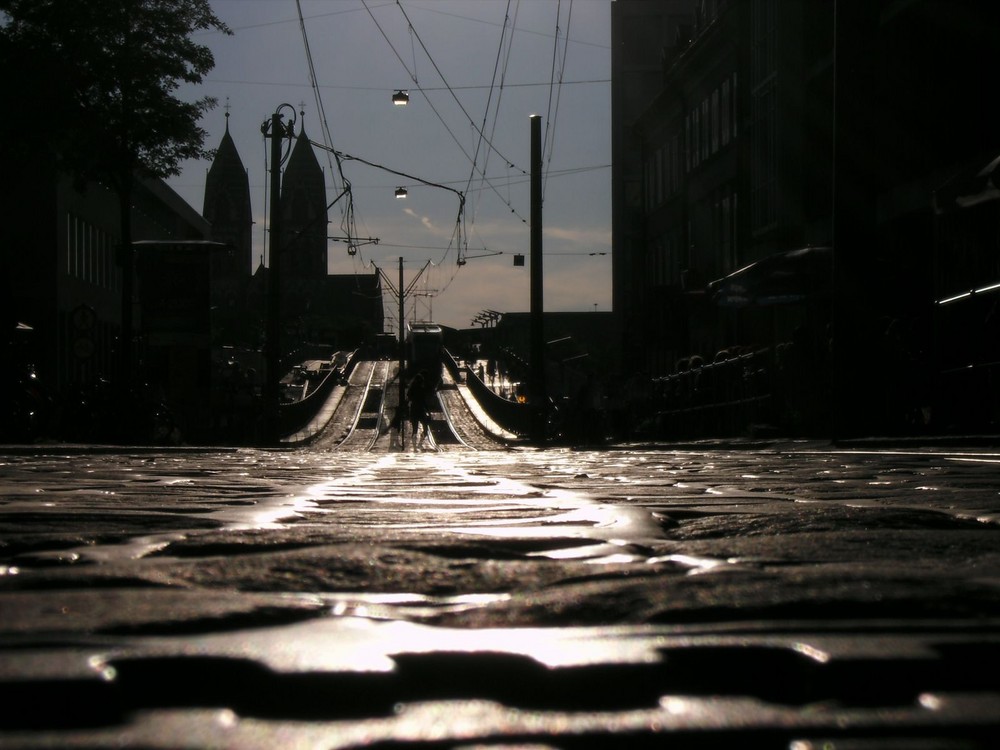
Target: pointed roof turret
{"x": 304, "y": 211}
{"x": 226, "y": 174}
{"x": 302, "y": 163}
{"x": 227, "y": 207}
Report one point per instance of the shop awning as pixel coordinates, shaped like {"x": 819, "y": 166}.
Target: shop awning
{"x": 969, "y": 188}
{"x": 784, "y": 278}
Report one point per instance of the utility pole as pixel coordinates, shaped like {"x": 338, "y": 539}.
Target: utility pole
{"x": 402, "y": 343}
{"x": 537, "y": 391}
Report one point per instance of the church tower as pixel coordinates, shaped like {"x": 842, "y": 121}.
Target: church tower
{"x": 304, "y": 214}
{"x": 227, "y": 209}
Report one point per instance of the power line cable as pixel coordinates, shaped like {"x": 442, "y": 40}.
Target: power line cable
{"x": 355, "y": 187}
{"x": 486, "y": 111}
{"x": 451, "y": 91}
{"x": 347, "y": 209}
{"x": 435, "y": 110}
{"x": 496, "y": 111}
{"x": 459, "y": 221}
{"x": 550, "y": 125}
{"x": 445, "y": 81}
{"x": 421, "y": 89}
{"x": 494, "y": 23}
{"x": 552, "y": 78}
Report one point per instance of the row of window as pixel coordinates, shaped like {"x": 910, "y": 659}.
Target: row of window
{"x": 90, "y": 254}
{"x": 711, "y": 125}
{"x": 708, "y": 127}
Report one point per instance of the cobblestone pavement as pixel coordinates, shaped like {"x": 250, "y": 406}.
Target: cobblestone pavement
{"x": 630, "y": 597}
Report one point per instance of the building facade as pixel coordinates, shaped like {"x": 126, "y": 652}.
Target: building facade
{"x": 803, "y": 142}
{"x": 642, "y": 33}
{"x": 61, "y": 273}
{"x": 198, "y": 312}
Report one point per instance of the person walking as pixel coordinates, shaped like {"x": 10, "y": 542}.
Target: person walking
{"x": 416, "y": 399}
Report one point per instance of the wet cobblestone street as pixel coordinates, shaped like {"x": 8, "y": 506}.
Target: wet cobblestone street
{"x": 791, "y": 592}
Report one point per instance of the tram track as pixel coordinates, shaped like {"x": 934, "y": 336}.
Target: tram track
{"x": 361, "y": 422}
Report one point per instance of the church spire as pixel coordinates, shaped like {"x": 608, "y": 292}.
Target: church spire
{"x": 304, "y": 210}
{"x": 227, "y": 206}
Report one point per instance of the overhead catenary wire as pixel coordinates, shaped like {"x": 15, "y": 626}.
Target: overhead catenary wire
{"x": 349, "y": 228}
{"x": 484, "y": 129}
{"x": 460, "y": 220}
{"x": 534, "y": 32}
{"x": 521, "y": 180}
{"x": 486, "y": 112}
{"x": 438, "y": 11}
{"x": 482, "y": 136}
{"x": 548, "y": 147}
{"x": 420, "y": 89}
{"x": 496, "y": 111}
{"x": 347, "y": 209}
{"x": 444, "y": 80}
{"x": 403, "y": 217}
{"x": 434, "y": 109}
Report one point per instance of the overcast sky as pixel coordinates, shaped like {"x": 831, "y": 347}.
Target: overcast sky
{"x": 467, "y": 72}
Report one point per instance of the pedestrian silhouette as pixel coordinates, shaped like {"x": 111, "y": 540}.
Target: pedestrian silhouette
{"x": 416, "y": 399}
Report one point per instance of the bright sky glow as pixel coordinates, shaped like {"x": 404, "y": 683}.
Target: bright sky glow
{"x": 468, "y": 71}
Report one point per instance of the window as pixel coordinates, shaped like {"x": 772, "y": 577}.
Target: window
{"x": 724, "y": 121}
{"x": 696, "y": 135}
{"x": 659, "y": 176}
{"x": 735, "y": 89}
{"x": 674, "y": 168}
{"x": 687, "y": 142}
{"x": 90, "y": 253}
{"x": 647, "y": 185}
{"x": 706, "y": 129}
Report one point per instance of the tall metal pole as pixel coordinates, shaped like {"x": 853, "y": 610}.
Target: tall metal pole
{"x": 537, "y": 392}
{"x": 272, "y": 385}
{"x": 402, "y": 344}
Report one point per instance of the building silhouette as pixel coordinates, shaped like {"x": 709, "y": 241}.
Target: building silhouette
{"x": 227, "y": 208}
{"x": 801, "y": 192}
{"x": 642, "y": 35}
{"x": 62, "y": 290}
{"x": 319, "y": 310}
{"x": 198, "y": 310}
{"x": 304, "y": 214}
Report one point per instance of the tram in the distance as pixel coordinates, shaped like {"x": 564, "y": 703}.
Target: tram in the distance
{"x": 424, "y": 343}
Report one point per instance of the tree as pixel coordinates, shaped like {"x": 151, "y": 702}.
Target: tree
{"x": 100, "y": 80}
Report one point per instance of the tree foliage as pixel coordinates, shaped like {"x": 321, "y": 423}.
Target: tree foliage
{"x": 95, "y": 84}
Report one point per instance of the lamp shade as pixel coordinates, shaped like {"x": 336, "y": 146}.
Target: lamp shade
{"x": 401, "y": 98}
